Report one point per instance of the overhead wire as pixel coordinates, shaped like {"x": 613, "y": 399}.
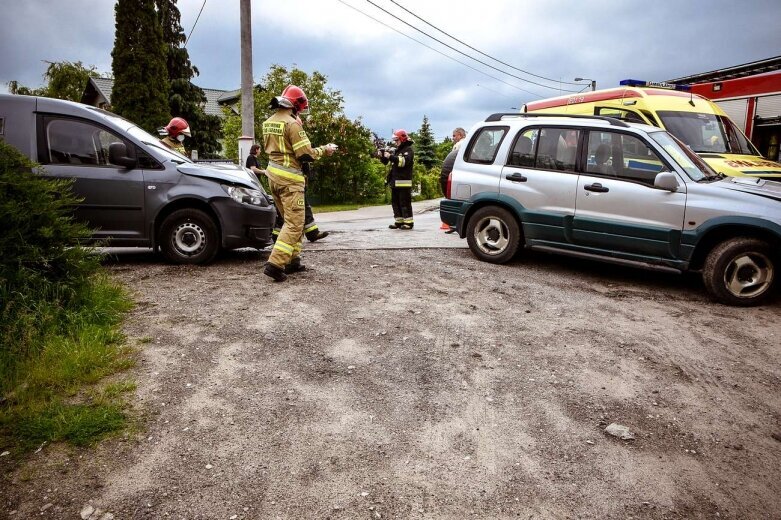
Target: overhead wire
{"x": 481, "y": 52}
{"x": 196, "y": 23}
{"x": 463, "y": 53}
{"x": 440, "y": 52}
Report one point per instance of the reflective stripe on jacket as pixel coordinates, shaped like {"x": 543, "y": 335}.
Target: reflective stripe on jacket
{"x": 286, "y": 142}
{"x": 402, "y": 162}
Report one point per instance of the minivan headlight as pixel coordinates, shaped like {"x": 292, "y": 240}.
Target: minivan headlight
{"x": 246, "y": 195}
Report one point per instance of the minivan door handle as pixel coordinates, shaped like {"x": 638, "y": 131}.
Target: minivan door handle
{"x": 596, "y": 187}
{"x": 515, "y": 177}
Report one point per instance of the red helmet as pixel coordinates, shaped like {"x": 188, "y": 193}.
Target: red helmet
{"x": 296, "y": 96}
{"x": 177, "y": 126}
{"x": 401, "y": 135}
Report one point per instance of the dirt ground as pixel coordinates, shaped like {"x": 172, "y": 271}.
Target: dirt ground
{"x": 425, "y": 384}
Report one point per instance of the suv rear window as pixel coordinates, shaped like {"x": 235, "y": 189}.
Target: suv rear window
{"x": 485, "y": 144}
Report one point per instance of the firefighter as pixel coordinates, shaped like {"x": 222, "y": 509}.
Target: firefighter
{"x": 311, "y": 230}
{"x": 287, "y": 146}
{"x": 400, "y": 179}
{"x": 175, "y": 131}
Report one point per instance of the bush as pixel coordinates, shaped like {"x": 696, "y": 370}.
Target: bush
{"x": 59, "y": 313}
{"x": 428, "y": 182}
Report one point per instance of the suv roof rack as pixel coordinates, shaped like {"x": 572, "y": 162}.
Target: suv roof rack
{"x": 500, "y": 115}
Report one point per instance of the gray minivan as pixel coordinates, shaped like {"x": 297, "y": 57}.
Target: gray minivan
{"x": 136, "y": 191}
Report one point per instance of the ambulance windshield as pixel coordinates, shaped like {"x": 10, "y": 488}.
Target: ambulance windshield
{"x": 707, "y": 133}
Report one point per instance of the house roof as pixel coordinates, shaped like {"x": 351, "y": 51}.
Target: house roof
{"x": 98, "y": 92}
{"x": 737, "y": 71}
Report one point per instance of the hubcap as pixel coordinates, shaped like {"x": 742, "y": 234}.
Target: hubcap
{"x": 492, "y": 235}
{"x": 749, "y": 275}
{"x": 189, "y": 238}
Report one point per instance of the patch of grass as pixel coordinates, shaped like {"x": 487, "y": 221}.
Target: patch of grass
{"x": 43, "y": 379}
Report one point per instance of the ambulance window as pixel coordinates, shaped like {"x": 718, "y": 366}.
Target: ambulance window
{"x": 651, "y": 118}
{"x": 624, "y": 115}
{"x": 485, "y": 144}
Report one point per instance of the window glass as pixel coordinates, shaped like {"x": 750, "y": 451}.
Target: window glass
{"x": 707, "y": 133}
{"x": 624, "y": 156}
{"x": 485, "y": 145}
{"x": 76, "y": 142}
{"x": 624, "y": 115}
{"x": 523, "y": 151}
{"x": 557, "y": 149}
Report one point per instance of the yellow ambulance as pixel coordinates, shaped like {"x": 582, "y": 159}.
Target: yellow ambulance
{"x": 693, "y": 119}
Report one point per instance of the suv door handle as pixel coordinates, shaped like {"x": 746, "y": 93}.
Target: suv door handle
{"x": 596, "y": 187}
{"x": 515, "y": 177}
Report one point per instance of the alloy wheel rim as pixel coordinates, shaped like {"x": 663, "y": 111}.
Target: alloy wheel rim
{"x": 749, "y": 275}
{"x": 492, "y": 235}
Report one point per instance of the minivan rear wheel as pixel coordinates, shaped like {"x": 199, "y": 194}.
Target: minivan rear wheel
{"x": 493, "y": 234}
{"x": 189, "y": 236}
{"x": 740, "y": 271}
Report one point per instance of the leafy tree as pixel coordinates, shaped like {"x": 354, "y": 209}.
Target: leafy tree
{"x": 64, "y": 80}
{"x": 185, "y": 99}
{"x": 444, "y": 148}
{"x": 140, "y": 91}
{"x": 351, "y": 175}
{"x": 425, "y": 149}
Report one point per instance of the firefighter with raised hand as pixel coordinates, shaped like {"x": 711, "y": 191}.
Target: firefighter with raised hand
{"x": 400, "y": 179}
{"x": 175, "y": 132}
{"x": 288, "y": 147}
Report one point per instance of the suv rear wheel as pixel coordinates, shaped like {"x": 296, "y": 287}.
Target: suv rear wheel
{"x": 189, "y": 236}
{"x": 493, "y": 234}
{"x": 740, "y": 271}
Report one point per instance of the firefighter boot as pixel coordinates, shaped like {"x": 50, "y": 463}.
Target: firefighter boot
{"x": 274, "y": 272}
{"x": 316, "y": 234}
{"x": 295, "y": 266}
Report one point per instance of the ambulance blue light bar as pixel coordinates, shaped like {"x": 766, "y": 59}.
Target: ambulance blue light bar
{"x": 654, "y": 84}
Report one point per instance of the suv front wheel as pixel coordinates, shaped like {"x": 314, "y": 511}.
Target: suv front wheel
{"x": 740, "y": 271}
{"x": 493, "y": 235}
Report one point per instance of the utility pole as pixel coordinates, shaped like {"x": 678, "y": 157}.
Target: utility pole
{"x": 247, "y": 96}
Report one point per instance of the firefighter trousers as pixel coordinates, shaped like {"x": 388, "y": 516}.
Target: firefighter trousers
{"x": 401, "y": 201}
{"x": 311, "y": 229}
{"x": 289, "y": 199}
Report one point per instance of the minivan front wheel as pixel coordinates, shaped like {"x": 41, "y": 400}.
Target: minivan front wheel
{"x": 493, "y": 234}
{"x": 740, "y": 271}
{"x": 189, "y": 236}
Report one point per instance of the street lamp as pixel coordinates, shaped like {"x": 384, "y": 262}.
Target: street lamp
{"x": 593, "y": 82}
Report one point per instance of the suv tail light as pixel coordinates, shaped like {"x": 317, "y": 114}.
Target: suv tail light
{"x": 448, "y": 185}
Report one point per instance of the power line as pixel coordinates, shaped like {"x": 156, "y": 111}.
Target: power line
{"x": 463, "y": 53}
{"x": 438, "y": 51}
{"x": 481, "y": 52}
{"x": 196, "y": 23}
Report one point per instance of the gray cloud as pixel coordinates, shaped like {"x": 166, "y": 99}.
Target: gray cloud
{"x": 390, "y": 81}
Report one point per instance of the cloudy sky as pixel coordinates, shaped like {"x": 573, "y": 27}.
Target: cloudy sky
{"x": 391, "y": 81}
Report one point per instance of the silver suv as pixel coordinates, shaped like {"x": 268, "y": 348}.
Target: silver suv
{"x": 599, "y": 188}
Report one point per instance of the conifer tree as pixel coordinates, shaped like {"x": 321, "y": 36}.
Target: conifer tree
{"x": 185, "y": 99}
{"x": 425, "y": 151}
{"x": 140, "y": 91}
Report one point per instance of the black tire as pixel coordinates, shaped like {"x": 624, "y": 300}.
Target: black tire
{"x": 189, "y": 236}
{"x": 493, "y": 234}
{"x": 740, "y": 271}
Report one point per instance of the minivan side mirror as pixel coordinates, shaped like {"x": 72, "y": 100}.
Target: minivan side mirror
{"x": 666, "y": 181}
{"x": 117, "y": 154}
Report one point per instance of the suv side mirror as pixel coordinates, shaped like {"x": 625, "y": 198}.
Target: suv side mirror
{"x": 117, "y": 154}
{"x": 666, "y": 181}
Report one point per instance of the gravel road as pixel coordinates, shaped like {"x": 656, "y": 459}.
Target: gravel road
{"x": 421, "y": 383}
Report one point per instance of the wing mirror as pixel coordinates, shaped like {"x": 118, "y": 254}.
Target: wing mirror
{"x": 117, "y": 154}
{"x": 666, "y": 181}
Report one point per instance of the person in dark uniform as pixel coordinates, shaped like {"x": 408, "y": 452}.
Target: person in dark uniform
{"x": 400, "y": 179}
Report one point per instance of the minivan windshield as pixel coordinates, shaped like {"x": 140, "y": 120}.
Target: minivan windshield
{"x": 691, "y": 163}
{"x": 707, "y": 133}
